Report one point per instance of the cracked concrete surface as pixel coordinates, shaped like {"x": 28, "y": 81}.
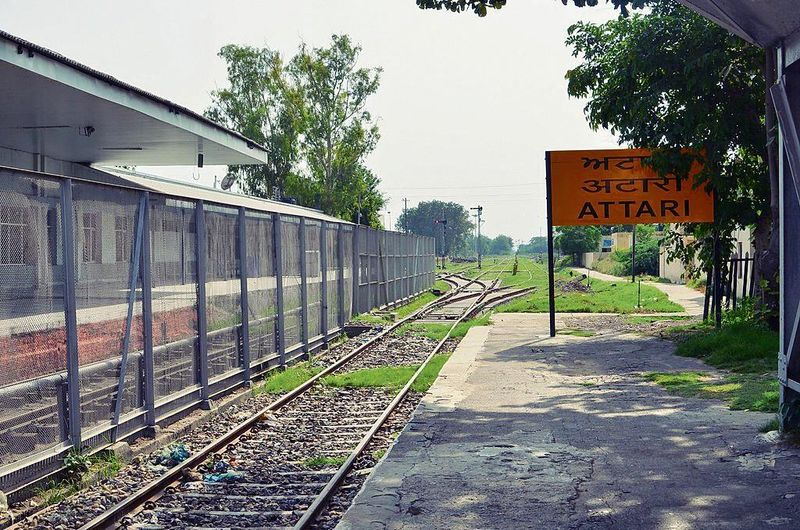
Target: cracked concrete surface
{"x": 524, "y": 431}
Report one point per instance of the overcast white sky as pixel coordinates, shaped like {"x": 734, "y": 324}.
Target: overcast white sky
{"x": 466, "y": 107}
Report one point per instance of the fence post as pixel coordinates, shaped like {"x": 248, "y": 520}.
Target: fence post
{"x": 303, "y": 286}
{"x": 202, "y": 322}
{"x": 734, "y": 273}
{"x": 280, "y": 341}
{"x": 323, "y": 266}
{"x": 70, "y": 314}
{"x": 355, "y": 301}
{"x": 340, "y": 273}
{"x": 245, "y": 306}
{"x": 147, "y": 324}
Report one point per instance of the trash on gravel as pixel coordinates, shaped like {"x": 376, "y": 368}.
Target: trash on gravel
{"x": 221, "y": 472}
{"x": 169, "y": 456}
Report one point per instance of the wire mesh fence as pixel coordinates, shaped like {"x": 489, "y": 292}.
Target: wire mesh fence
{"x": 122, "y": 308}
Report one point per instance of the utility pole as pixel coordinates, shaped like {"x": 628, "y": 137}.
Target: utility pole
{"x": 479, "y": 209}
{"x": 405, "y": 214}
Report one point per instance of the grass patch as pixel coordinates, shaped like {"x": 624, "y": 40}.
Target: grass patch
{"x": 587, "y": 383}
{"x": 771, "y": 425}
{"x": 743, "y": 347}
{"x": 288, "y": 379}
{"x": 403, "y": 311}
{"x": 82, "y": 470}
{"x": 320, "y": 462}
{"x": 438, "y": 331}
{"x": 577, "y": 332}
{"x": 377, "y": 455}
{"x": 739, "y": 391}
{"x": 605, "y": 297}
{"x": 390, "y": 377}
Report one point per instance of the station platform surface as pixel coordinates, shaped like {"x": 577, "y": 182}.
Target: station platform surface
{"x": 524, "y": 431}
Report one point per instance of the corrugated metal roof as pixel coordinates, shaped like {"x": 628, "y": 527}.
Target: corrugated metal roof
{"x": 211, "y": 195}
{"x": 52, "y": 105}
{"x": 762, "y": 22}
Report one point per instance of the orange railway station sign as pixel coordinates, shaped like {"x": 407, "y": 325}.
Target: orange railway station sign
{"x": 612, "y": 186}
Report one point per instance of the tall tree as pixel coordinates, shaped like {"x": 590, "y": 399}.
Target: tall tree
{"x": 257, "y": 105}
{"x": 671, "y": 79}
{"x": 536, "y": 245}
{"x": 576, "y": 240}
{"x": 502, "y": 245}
{"x": 338, "y": 131}
{"x": 426, "y": 219}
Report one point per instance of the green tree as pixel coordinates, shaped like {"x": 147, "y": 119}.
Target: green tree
{"x": 310, "y": 115}
{"x": 536, "y": 245}
{"x": 576, "y": 240}
{"x": 256, "y": 104}
{"x": 671, "y": 79}
{"x": 502, "y": 245}
{"x": 481, "y": 7}
{"x": 338, "y": 131}
{"x": 426, "y": 219}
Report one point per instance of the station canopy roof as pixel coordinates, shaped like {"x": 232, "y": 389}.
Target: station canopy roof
{"x": 762, "y": 22}
{"x": 185, "y": 190}
{"x": 54, "y": 106}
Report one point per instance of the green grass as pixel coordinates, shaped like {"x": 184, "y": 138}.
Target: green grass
{"x": 438, "y": 331}
{"x": 377, "y": 455}
{"x": 740, "y": 391}
{"x": 403, "y": 311}
{"x": 82, "y": 470}
{"x": 742, "y": 347}
{"x": 771, "y": 425}
{"x": 605, "y": 297}
{"x": 577, "y": 332}
{"x": 746, "y": 349}
{"x": 320, "y": 462}
{"x": 288, "y": 379}
{"x": 389, "y": 377}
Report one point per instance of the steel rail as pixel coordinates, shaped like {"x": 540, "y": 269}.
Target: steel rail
{"x": 311, "y": 513}
{"x": 153, "y": 489}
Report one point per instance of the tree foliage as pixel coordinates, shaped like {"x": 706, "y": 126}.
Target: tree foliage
{"x": 577, "y": 239}
{"x": 502, "y": 245}
{"x": 668, "y": 80}
{"x": 338, "y": 131}
{"x": 426, "y": 218}
{"x": 482, "y": 7}
{"x": 256, "y": 103}
{"x": 310, "y": 114}
{"x": 536, "y": 245}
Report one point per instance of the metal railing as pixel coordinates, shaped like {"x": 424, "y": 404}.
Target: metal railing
{"x": 122, "y": 309}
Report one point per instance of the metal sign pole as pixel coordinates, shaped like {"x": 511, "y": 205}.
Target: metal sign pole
{"x": 550, "y": 262}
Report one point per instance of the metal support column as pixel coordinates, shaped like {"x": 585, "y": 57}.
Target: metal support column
{"x": 280, "y": 339}
{"x": 70, "y": 315}
{"x": 340, "y": 274}
{"x": 355, "y": 300}
{"x": 551, "y": 293}
{"x": 133, "y": 280}
{"x": 147, "y": 324}
{"x": 202, "y": 322}
{"x": 303, "y": 286}
{"x": 243, "y": 273}
{"x": 323, "y": 265}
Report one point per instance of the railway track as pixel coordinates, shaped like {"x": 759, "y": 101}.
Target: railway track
{"x": 280, "y": 467}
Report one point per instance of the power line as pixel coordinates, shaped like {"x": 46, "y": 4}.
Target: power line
{"x": 466, "y": 187}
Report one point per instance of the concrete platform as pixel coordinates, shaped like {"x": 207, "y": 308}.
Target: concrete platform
{"x": 522, "y": 431}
